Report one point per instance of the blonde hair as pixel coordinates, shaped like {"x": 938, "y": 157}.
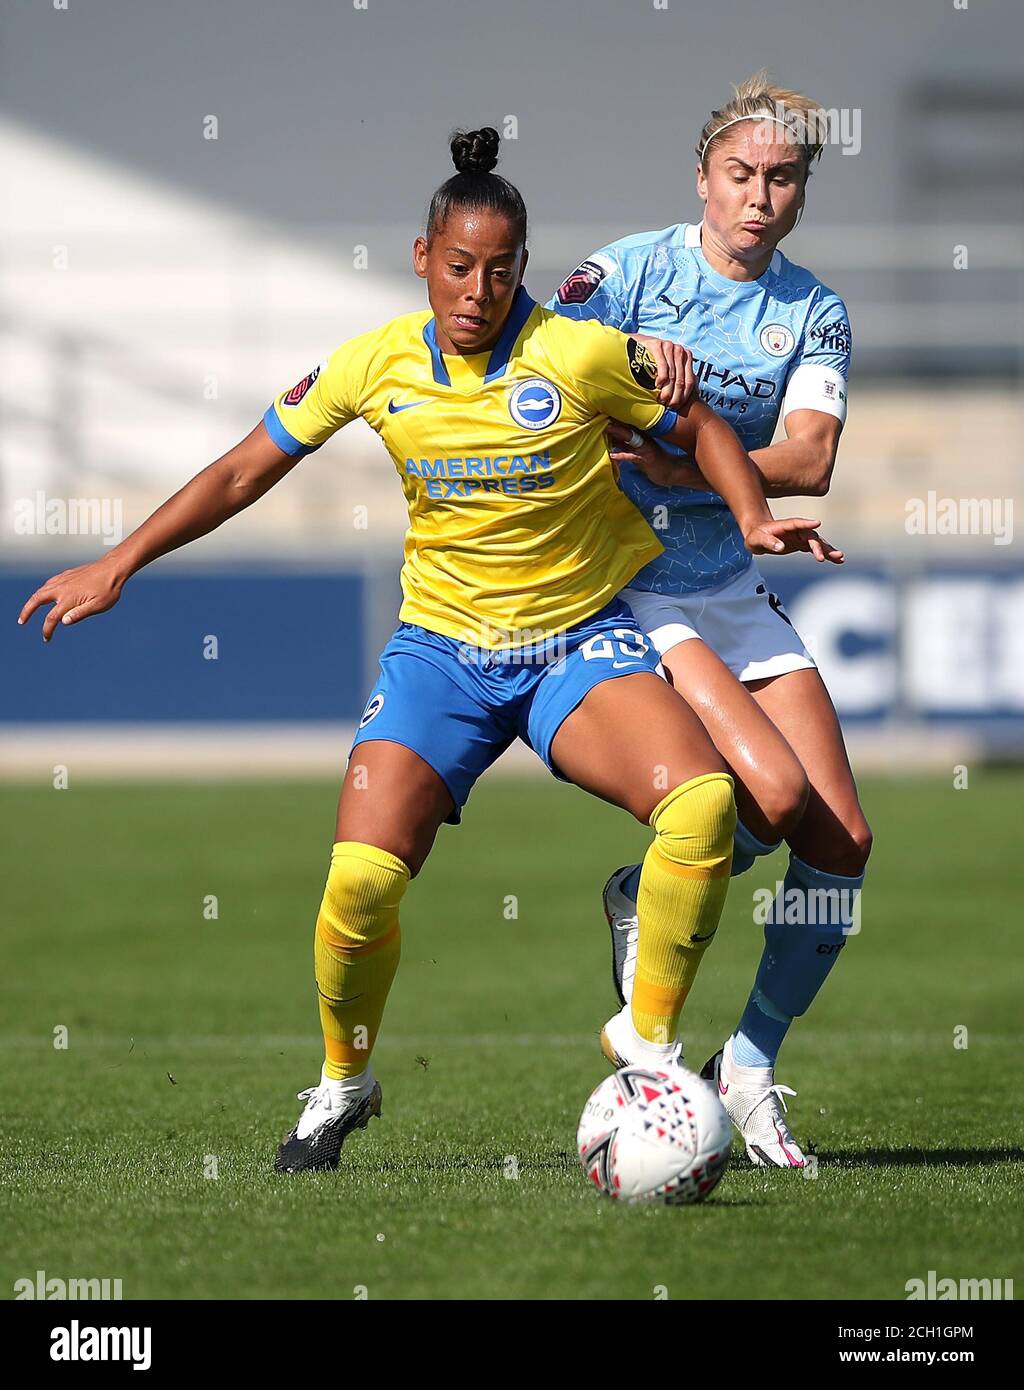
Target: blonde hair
{"x": 805, "y": 121}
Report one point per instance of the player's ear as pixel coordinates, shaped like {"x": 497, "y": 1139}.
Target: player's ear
{"x": 419, "y": 257}
{"x": 801, "y": 206}
{"x": 522, "y": 264}
{"x": 702, "y": 183}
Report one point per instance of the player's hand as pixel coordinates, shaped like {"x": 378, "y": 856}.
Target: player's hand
{"x": 626, "y": 445}
{"x": 675, "y": 380}
{"x": 75, "y": 594}
{"x": 788, "y": 535}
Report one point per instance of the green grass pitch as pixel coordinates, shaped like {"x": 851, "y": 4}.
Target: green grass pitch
{"x": 187, "y": 1038}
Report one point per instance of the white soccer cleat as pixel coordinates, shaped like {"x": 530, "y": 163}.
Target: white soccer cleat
{"x": 621, "y": 914}
{"x": 623, "y": 1046}
{"x": 753, "y": 1102}
{"x": 333, "y": 1110}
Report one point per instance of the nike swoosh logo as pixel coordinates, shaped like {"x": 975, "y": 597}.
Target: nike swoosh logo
{"x": 396, "y": 409}
{"x": 723, "y": 1090}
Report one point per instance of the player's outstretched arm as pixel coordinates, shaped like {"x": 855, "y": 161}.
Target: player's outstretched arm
{"x": 229, "y": 485}
{"x": 727, "y": 467}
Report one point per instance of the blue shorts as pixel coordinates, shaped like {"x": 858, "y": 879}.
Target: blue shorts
{"x": 459, "y": 707}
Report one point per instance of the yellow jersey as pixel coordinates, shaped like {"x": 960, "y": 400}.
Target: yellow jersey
{"x": 517, "y": 525}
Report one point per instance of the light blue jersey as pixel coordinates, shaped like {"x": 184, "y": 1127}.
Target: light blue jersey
{"x": 761, "y": 349}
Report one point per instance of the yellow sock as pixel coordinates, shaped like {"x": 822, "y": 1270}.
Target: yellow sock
{"x": 356, "y": 949}
{"x": 683, "y": 883}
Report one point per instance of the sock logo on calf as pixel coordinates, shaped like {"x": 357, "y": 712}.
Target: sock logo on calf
{"x": 805, "y": 928}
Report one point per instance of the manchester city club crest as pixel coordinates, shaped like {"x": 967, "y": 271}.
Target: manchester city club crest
{"x": 777, "y": 339}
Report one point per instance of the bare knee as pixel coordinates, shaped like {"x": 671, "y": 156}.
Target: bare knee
{"x": 773, "y": 801}
{"x": 782, "y": 799}
{"x": 852, "y": 845}
{"x": 860, "y": 842}
{"x": 413, "y": 854}
{"x": 642, "y": 802}
{"x": 407, "y": 841}
{"x": 837, "y": 846}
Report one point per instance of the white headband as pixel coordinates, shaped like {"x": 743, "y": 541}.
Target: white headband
{"x": 756, "y": 116}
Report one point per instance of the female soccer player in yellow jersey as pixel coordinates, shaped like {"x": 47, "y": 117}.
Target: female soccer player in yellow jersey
{"x": 494, "y": 411}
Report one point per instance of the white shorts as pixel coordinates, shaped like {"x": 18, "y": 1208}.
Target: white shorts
{"x": 740, "y": 620}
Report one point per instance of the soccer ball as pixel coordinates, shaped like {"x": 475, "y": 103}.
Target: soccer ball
{"x": 654, "y": 1136}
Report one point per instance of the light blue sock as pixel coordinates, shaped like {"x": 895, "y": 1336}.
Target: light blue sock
{"x": 806, "y": 928}
{"x": 760, "y": 1032}
{"x": 746, "y": 848}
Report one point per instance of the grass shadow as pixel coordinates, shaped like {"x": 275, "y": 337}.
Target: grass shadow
{"x": 912, "y": 1157}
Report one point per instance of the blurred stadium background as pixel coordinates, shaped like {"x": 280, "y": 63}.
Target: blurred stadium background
{"x": 203, "y": 201}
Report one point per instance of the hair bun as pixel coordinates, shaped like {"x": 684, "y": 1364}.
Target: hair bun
{"x": 475, "y": 151}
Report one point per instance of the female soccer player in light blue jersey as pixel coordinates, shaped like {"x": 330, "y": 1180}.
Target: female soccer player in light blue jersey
{"x": 768, "y": 339}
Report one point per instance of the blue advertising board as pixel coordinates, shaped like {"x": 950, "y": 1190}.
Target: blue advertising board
{"x": 942, "y": 644}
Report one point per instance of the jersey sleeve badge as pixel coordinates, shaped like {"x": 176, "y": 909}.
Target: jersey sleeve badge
{"x": 642, "y": 365}
{"x": 578, "y": 287}
{"x": 295, "y": 395}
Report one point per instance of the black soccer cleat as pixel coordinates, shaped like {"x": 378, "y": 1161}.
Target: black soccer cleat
{"x": 314, "y": 1145}
{"x": 709, "y": 1071}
